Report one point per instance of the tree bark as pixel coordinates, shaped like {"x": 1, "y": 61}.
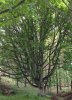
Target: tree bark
{"x": 17, "y": 83}
{"x": 25, "y": 82}
{"x": 71, "y": 85}
{"x": 60, "y": 81}
{"x": 57, "y": 81}
{"x": 41, "y": 90}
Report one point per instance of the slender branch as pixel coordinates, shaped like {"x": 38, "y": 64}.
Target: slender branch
{"x": 12, "y": 8}
{"x": 67, "y": 5}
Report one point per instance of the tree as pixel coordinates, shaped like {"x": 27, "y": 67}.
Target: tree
{"x": 33, "y": 40}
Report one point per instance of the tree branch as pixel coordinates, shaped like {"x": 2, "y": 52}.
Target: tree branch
{"x": 14, "y": 7}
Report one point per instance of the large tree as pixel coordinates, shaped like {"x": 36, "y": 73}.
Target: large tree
{"x": 33, "y": 39}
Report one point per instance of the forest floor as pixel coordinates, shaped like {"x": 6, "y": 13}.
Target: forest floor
{"x": 25, "y": 93}
{"x": 22, "y": 96}
{"x": 22, "y": 93}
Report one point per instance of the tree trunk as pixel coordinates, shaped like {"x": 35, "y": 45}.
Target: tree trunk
{"x": 71, "y": 85}
{"x": 57, "y": 81}
{"x": 25, "y": 82}
{"x": 0, "y": 79}
{"x": 17, "y": 83}
{"x": 49, "y": 84}
{"x": 60, "y": 87}
{"x": 41, "y": 90}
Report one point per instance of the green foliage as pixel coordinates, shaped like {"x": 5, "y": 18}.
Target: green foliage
{"x": 3, "y": 1}
{"x": 34, "y": 31}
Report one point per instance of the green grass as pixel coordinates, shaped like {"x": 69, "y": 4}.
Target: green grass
{"x": 23, "y": 95}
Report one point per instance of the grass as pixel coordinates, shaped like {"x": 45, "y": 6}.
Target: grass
{"x": 28, "y": 93}
{"x": 23, "y": 95}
